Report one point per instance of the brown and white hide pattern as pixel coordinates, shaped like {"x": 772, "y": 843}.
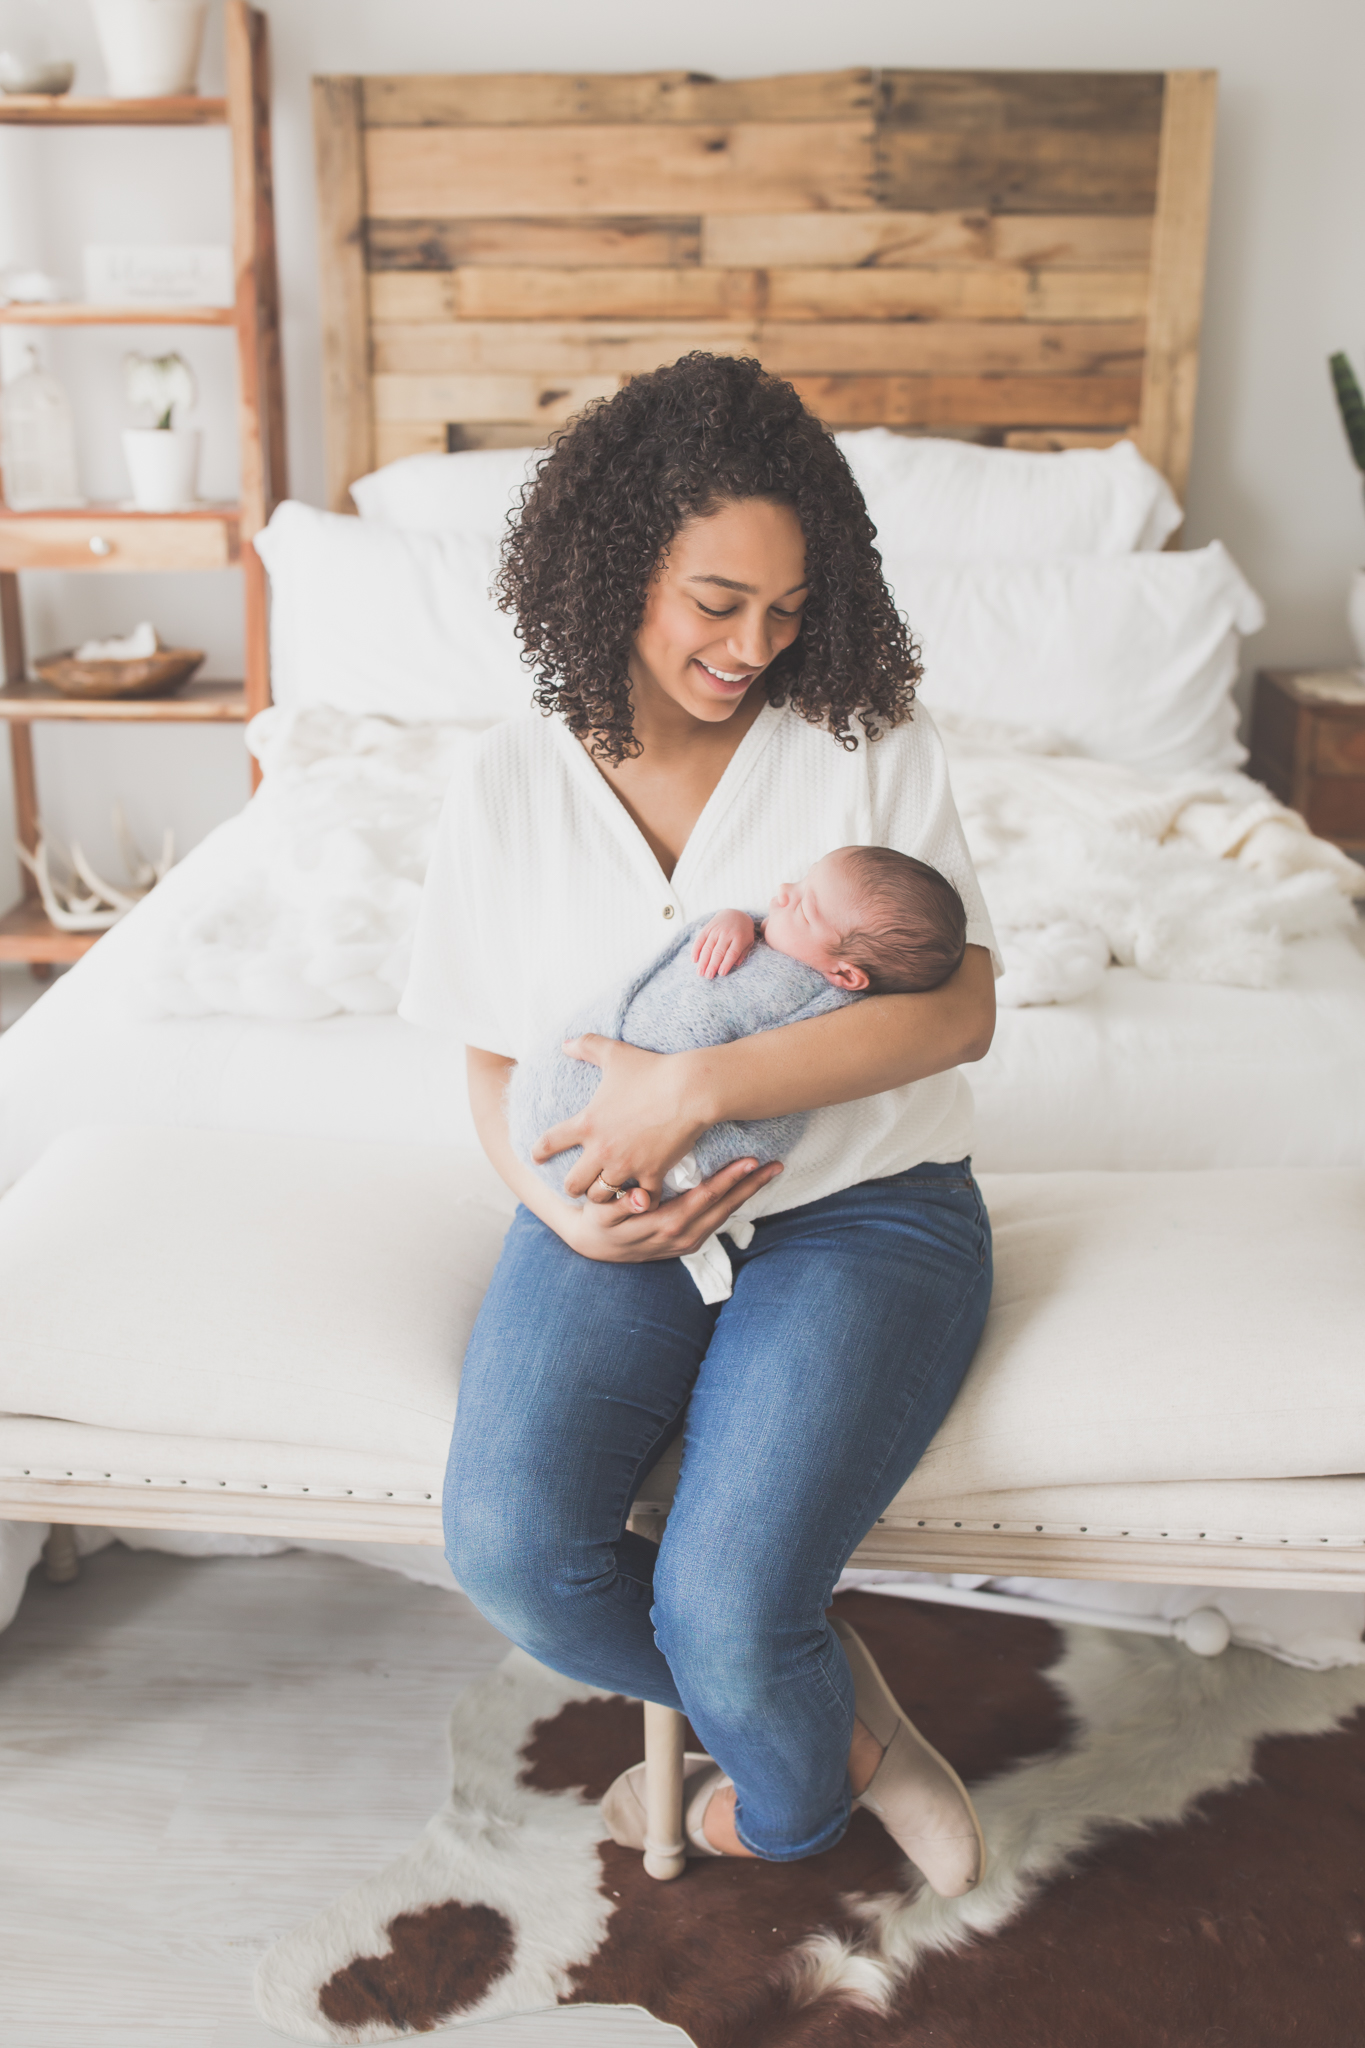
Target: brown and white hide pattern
{"x": 1178, "y": 1858}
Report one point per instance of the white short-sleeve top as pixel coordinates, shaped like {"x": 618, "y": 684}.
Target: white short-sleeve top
{"x": 543, "y": 893}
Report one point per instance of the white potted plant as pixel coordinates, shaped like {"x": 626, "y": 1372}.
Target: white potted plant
{"x": 163, "y": 459}
{"x": 151, "y": 47}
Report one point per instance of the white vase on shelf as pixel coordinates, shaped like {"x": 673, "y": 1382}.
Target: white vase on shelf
{"x": 163, "y": 463}
{"x": 1355, "y": 614}
{"x": 151, "y": 47}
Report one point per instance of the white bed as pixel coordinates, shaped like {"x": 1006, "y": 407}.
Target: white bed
{"x": 1086, "y": 704}
{"x": 1152, "y": 1075}
{"x": 1140, "y": 1074}
{"x": 1075, "y": 692}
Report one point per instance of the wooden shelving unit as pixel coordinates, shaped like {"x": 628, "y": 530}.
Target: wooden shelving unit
{"x": 112, "y": 538}
{"x": 27, "y": 935}
{"x": 117, "y": 316}
{"x": 81, "y": 110}
{"x": 109, "y": 539}
{"x": 196, "y": 704}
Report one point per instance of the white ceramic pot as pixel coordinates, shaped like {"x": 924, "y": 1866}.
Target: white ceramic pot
{"x": 163, "y": 463}
{"x": 1355, "y": 614}
{"x": 151, "y": 47}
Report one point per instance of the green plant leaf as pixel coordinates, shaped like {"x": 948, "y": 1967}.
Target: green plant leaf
{"x": 1352, "y": 405}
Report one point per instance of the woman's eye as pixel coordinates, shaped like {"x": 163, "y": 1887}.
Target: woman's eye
{"x": 729, "y": 610}
{"x": 778, "y": 613}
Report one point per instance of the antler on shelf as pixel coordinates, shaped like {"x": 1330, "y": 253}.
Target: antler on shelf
{"x": 106, "y": 903}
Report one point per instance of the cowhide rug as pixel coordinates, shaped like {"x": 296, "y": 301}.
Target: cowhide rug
{"x": 1178, "y": 1858}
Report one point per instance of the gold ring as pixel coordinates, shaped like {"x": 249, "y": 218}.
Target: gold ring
{"x": 618, "y": 1192}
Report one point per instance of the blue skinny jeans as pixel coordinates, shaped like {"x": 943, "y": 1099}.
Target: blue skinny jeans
{"x": 810, "y": 1397}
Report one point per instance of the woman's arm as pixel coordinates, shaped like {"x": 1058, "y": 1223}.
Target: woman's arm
{"x": 631, "y": 1230}
{"x": 651, "y": 1108}
{"x": 869, "y": 1046}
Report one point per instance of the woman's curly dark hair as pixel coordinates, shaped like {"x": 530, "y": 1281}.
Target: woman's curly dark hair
{"x": 599, "y": 514}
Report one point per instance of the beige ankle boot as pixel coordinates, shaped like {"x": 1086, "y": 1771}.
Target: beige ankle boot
{"x": 918, "y": 1798}
{"x": 623, "y": 1804}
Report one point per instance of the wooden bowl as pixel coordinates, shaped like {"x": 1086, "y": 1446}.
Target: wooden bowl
{"x": 154, "y": 675}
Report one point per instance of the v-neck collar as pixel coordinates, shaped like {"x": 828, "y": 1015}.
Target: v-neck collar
{"x": 737, "y": 771}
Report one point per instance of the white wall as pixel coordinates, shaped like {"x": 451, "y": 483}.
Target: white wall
{"x": 1271, "y": 475}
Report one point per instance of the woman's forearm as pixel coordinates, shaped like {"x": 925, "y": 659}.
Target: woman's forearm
{"x": 651, "y": 1108}
{"x": 864, "y": 1049}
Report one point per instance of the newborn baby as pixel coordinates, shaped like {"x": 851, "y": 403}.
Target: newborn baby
{"x": 865, "y": 921}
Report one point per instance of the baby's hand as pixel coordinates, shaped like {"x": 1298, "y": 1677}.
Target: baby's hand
{"x": 723, "y": 943}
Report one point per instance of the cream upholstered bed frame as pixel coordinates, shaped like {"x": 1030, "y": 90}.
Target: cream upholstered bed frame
{"x": 1015, "y": 257}
{"x": 901, "y": 1540}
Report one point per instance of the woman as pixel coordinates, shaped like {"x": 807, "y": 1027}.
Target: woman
{"x": 695, "y": 581}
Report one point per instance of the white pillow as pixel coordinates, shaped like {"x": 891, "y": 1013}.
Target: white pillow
{"x": 947, "y": 501}
{"x": 1132, "y": 658}
{"x": 950, "y": 501}
{"x": 375, "y": 620}
{"x": 471, "y": 492}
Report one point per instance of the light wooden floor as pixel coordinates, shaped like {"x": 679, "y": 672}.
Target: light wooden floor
{"x": 195, "y": 1756}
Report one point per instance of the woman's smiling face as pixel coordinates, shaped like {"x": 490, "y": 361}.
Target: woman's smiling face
{"x": 724, "y": 602}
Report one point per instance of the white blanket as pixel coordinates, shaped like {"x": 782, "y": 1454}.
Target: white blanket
{"x": 1188, "y": 879}
{"x": 318, "y": 915}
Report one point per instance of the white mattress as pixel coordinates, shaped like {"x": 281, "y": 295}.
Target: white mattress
{"x": 1140, "y": 1075}
{"x": 1153, "y": 1075}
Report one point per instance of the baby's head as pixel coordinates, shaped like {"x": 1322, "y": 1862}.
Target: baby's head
{"x": 870, "y": 918}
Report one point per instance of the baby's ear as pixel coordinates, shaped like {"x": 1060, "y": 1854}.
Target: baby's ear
{"x": 844, "y": 974}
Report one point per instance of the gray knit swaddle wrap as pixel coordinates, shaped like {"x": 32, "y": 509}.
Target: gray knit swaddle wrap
{"x": 670, "y": 1008}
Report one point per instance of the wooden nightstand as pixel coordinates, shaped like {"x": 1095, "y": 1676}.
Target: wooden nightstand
{"x": 1308, "y": 746}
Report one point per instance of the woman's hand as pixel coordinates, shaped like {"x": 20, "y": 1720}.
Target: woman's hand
{"x": 615, "y": 1231}
{"x": 632, "y": 1230}
{"x": 636, "y": 1126}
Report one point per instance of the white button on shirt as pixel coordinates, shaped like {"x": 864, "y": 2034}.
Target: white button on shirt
{"x": 543, "y": 893}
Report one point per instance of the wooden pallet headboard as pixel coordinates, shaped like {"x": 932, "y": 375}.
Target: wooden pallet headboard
{"x": 1017, "y": 256}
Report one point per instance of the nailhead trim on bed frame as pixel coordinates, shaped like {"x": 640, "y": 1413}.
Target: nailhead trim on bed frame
{"x": 292, "y": 1492}
{"x": 935, "y": 1524}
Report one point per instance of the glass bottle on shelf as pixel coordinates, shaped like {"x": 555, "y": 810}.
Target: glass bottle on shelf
{"x": 37, "y": 441}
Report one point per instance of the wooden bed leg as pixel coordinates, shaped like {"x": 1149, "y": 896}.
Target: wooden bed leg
{"x": 665, "y": 1849}
{"x": 61, "y": 1559}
